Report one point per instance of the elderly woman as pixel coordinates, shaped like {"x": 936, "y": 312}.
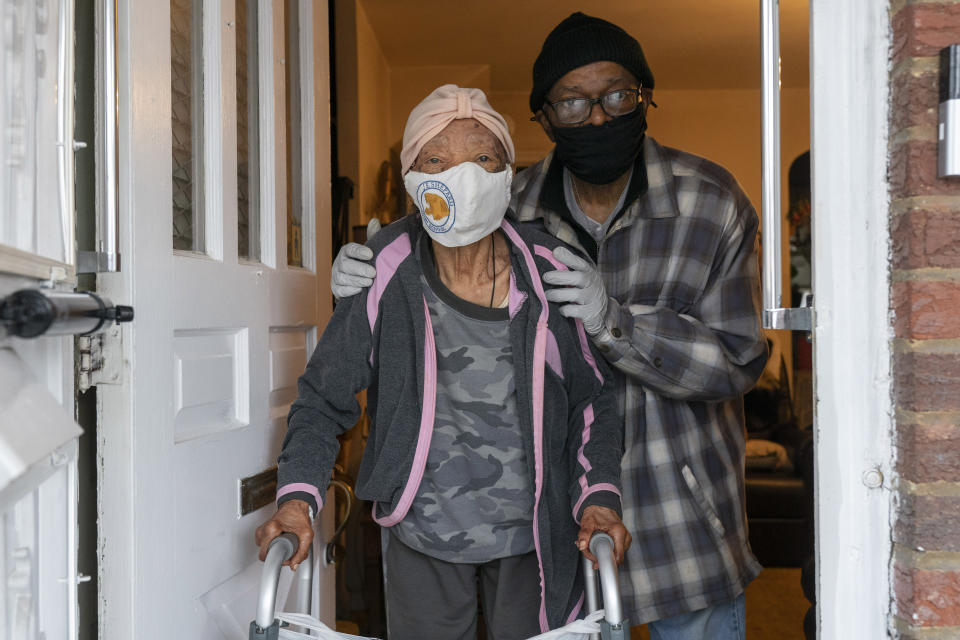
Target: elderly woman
{"x": 495, "y": 444}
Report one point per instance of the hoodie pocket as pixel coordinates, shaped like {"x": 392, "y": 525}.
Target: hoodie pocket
{"x": 707, "y": 510}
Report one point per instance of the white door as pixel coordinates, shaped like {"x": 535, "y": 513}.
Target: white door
{"x": 224, "y": 210}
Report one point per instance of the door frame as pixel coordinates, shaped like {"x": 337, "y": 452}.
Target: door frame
{"x": 854, "y": 423}
{"x": 849, "y": 95}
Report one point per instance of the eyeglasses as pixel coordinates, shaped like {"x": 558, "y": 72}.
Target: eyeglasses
{"x": 614, "y": 104}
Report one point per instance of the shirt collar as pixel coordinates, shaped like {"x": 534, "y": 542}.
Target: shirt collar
{"x": 660, "y": 198}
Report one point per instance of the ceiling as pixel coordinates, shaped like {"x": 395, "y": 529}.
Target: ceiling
{"x": 689, "y": 44}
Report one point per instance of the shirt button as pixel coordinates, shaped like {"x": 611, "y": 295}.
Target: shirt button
{"x": 657, "y": 362}
{"x": 616, "y": 332}
{"x": 604, "y": 347}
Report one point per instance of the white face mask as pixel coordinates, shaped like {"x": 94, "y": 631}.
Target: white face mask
{"x": 460, "y": 205}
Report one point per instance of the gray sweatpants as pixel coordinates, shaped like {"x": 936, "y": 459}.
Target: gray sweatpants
{"x": 429, "y": 599}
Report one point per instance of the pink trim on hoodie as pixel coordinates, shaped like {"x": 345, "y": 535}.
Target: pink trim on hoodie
{"x": 581, "y": 458}
{"x": 516, "y": 298}
{"x": 539, "y": 358}
{"x": 585, "y": 349}
{"x": 387, "y": 262}
{"x": 547, "y": 255}
{"x": 426, "y": 428}
{"x": 603, "y": 486}
{"x": 304, "y": 487}
{"x": 553, "y": 354}
{"x": 539, "y": 364}
{"x": 576, "y": 609}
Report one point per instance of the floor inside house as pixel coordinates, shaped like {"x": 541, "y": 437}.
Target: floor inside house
{"x": 775, "y": 607}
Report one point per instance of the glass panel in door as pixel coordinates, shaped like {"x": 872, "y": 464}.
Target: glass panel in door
{"x": 186, "y": 76}
{"x": 248, "y": 131}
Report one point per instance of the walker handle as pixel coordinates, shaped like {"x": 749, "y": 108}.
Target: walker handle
{"x": 280, "y": 550}
{"x": 601, "y": 546}
{"x": 590, "y": 586}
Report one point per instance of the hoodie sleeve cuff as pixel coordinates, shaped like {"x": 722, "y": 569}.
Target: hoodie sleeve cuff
{"x": 607, "y": 499}
{"x": 305, "y": 497}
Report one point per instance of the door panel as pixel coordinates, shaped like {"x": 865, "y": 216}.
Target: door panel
{"x": 215, "y": 359}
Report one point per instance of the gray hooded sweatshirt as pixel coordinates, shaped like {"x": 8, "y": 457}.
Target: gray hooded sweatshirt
{"x": 382, "y": 340}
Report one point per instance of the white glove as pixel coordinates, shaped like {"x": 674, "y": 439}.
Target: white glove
{"x": 582, "y": 287}
{"x": 350, "y": 273}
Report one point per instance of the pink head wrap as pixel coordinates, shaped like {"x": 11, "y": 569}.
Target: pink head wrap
{"x": 444, "y": 105}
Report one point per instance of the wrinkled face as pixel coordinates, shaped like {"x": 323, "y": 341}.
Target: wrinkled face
{"x": 593, "y": 80}
{"x": 462, "y": 141}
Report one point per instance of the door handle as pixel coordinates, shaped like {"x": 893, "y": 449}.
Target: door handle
{"x": 775, "y": 316}
{"x": 106, "y": 256}
{"x": 30, "y": 313}
{"x": 329, "y": 556}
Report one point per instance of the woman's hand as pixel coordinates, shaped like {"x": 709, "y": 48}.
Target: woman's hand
{"x": 293, "y": 516}
{"x": 597, "y": 518}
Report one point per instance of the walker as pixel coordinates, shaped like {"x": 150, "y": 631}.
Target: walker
{"x": 608, "y": 623}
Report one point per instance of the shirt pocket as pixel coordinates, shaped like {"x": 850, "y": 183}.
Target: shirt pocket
{"x": 706, "y": 508}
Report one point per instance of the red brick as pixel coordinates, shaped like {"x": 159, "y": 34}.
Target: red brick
{"x": 914, "y": 101}
{"x": 927, "y": 598}
{"x": 926, "y": 239}
{"x": 931, "y": 523}
{"x": 926, "y": 310}
{"x": 913, "y": 171}
{"x": 927, "y": 381}
{"x": 929, "y": 453}
{"x": 924, "y": 29}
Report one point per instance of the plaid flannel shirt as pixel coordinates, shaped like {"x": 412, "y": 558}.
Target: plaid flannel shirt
{"x": 683, "y": 336}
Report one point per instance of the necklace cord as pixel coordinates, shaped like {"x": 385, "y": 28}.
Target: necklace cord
{"x": 493, "y": 266}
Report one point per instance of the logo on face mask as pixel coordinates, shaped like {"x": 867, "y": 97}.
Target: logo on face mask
{"x": 436, "y": 202}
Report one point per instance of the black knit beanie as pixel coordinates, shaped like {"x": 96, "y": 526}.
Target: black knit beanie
{"x": 580, "y": 40}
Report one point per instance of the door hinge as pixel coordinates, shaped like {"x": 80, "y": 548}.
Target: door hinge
{"x": 99, "y": 358}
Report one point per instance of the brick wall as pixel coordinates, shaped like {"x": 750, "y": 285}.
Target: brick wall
{"x": 925, "y": 299}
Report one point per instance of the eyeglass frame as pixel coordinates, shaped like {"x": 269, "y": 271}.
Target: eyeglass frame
{"x": 593, "y": 101}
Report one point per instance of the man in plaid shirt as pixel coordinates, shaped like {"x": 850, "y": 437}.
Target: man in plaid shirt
{"x": 666, "y": 285}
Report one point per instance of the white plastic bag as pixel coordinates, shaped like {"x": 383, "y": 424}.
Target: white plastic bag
{"x": 576, "y": 630}
{"x": 319, "y": 629}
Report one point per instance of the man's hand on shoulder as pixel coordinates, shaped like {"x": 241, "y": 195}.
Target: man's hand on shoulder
{"x": 581, "y": 288}
{"x": 351, "y": 273}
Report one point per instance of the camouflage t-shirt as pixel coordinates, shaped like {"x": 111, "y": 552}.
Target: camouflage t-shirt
{"x": 475, "y": 501}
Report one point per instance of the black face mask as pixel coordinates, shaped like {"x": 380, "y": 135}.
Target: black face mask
{"x": 601, "y": 154}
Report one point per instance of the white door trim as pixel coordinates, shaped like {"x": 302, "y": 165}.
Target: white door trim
{"x": 849, "y": 44}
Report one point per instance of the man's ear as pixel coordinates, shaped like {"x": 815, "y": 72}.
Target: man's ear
{"x": 541, "y": 117}
{"x": 647, "y": 95}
